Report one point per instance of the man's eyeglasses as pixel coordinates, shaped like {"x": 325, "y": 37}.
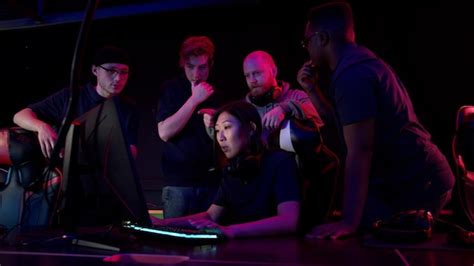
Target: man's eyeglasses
{"x": 305, "y": 41}
{"x": 114, "y": 71}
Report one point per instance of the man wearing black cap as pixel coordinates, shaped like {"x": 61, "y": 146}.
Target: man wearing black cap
{"x": 110, "y": 66}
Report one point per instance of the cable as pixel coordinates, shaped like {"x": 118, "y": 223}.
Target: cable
{"x": 75, "y": 77}
{"x": 450, "y": 224}
{"x": 74, "y": 81}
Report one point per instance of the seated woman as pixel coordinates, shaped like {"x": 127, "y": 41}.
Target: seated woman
{"x": 259, "y": 193}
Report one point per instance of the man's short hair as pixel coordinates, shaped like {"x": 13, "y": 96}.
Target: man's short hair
{"x": 334, "y": 17}
{"x": 111, "y": 54}
{"x": 196, "y": 46}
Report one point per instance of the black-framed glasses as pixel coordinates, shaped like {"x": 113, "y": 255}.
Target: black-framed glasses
{"x": 114, "y": 71}
{"x": 305, "y": 41}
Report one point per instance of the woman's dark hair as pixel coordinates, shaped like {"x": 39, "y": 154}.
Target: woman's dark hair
{"x": 247, "y": 114}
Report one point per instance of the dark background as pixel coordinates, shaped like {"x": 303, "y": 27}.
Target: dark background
{"x": 428, "y": 43}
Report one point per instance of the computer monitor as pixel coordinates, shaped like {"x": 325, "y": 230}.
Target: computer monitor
{"x": 101, "y": 184}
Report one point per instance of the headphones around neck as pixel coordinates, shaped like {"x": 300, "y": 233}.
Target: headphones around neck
{"x": 243, "y": 167}
{"x": 267, "y": 97}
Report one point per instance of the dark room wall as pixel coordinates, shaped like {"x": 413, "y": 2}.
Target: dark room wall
{"x": 428, "y": 44}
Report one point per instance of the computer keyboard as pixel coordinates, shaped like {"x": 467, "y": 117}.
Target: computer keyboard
{"x": 204, "y": 235}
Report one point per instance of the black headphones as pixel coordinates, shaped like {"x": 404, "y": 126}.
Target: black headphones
{"x": 243, "y": 167}
{"x": 267, "y": 97}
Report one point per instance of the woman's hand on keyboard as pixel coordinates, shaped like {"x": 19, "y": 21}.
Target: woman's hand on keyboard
{"x": 206, "y": 223}
{"x": 158, "y": 221}
{"x": 203, "y": 223}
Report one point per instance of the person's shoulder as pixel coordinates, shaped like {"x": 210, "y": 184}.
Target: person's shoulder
{"x": 174, "y": 85}
{"x": 360, "y": 62}
{"x": 287, "y": 87}
{"x": 127, "y": 100}
{"x": 176, "y": 81}
{"x": 169, "y": 82}
{"x": 296, "y": 91}
{"x": 277, "y": 156}
{"x": 355, "y": 74}
{"x": 363, "y": 68}
{"x": 64, "y": 92}
{"x": 290, "y": 92}
{"x": 126, "y": 104}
